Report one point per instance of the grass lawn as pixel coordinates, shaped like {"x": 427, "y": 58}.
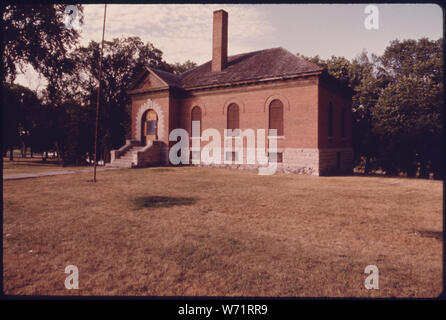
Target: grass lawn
{"x": 219, "y": 232}
{"x": 35, "y": 165}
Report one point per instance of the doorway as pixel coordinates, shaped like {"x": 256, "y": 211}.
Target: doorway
{"x": 150, "y": 127}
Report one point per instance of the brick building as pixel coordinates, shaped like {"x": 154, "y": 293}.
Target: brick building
{"x": 267, "y": 89}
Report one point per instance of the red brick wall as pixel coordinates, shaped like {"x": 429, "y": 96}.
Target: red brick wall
{"x": 305, "y": 102}
{"x": 338, "y": 100}
{"x": 299, "y": 98}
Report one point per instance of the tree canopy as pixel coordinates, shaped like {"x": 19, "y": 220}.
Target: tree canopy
{"x": 397, "y": 106}
{"x": 35, "y": 35}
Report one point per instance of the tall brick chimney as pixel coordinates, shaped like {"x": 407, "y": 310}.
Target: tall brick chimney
{"x": 220, "y": 41}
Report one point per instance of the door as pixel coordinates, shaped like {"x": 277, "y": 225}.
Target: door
{"x": 150, "y": 126}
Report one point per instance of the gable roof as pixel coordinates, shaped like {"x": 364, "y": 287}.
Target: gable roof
{"x": 257, "y": 65}
{"x": 269, "y": 63}
{"x": 169, "y": 78}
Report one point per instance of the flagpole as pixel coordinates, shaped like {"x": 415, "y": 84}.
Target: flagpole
{"x": 98, "y": 96}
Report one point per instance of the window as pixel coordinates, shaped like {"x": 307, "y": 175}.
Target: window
{"x": 343, "y": 122}
{"x": 231, "y": 156}
{"x": 196, "y": 116}
{"x": 275, "y": 157}
{"x": 233, "y": 117}
{"x": 195, "y": 155}
{"x": 330, "y": 120}
{"x": 276, "y": 116}
{"x": 151, "y": 127}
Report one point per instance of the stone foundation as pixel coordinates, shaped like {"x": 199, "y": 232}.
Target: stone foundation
{"x": 335, "y": 161}
{"x": 307, "y": 161}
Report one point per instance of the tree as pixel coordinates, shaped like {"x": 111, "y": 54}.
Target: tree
{"x": 20, "y": 109}
{"x": 409, "y": 111}
{"x": 179, "y": 68}
{"x": 362, "y": 78}
{"x": 10, "y": 119}
{"x": 338, "y": 67}
{"x": 36, "y": 35}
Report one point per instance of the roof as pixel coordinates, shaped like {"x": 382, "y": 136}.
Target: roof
{"x": 169, "y": 78}
{"x": 255, "y": 65}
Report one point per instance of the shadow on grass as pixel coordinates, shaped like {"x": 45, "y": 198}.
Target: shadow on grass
{"x": 160, "y": 170}
{"x": 431, "y": 234}
{"x": 162, "y": 202}
{"x": 376, "y": 175}
{"x": 155, "y": 168}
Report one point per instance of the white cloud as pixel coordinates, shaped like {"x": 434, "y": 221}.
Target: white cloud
{"x": 182, "y": 32}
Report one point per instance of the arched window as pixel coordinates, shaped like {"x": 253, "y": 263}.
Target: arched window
{"x": 343, "y": 122}
{"x": 233, "y": 123}
{"x": 276, "y": 116}
{"x": 196, "y": 116}
{"x": 330, "y": 120}
{"x": 233, "y": 116}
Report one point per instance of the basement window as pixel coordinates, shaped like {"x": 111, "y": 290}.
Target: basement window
{"x": 195, "y": 155}
{"x": 231, "y": 156}
{"x": 275, "y": 157}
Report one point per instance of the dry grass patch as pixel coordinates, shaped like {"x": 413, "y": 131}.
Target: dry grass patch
{"x": 228, "y": 233}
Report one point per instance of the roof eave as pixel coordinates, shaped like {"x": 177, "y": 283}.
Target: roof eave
{"x": 250, "y": 81}
{"x": 142, "y": 91}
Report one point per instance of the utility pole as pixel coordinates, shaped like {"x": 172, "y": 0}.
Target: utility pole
{"x": 98, "y": 97}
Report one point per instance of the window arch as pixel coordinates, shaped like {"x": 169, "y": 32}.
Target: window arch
{"x": 276, "y": 116}
{"x": 195, "y": 116}
{"x": 233, "y": 117}
{"x": 330, "y": 120}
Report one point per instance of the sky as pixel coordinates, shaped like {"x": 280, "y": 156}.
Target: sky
{"x": 184, "y": 32}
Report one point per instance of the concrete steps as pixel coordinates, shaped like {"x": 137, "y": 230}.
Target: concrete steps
{"x": 126, "y": 160}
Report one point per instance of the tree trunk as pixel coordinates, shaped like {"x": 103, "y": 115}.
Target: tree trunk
{"x": 367, "y": 165}
{"x": 105, "y": 154}
{"x": 437, "y": 168}
{"x": 424, "y": 172}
